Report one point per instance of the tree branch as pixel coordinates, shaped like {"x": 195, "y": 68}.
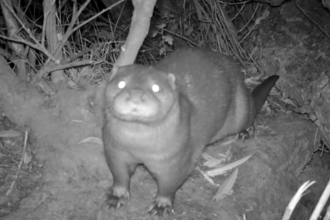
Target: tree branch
{"x": 138, "y": 31}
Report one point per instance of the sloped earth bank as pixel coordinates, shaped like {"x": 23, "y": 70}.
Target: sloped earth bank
{"x": 75, "y": 177}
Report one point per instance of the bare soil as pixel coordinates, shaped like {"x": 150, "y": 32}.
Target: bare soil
{"x": 283, "y": 159}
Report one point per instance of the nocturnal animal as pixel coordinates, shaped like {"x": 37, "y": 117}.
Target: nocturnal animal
{"x": 163, "y": 116}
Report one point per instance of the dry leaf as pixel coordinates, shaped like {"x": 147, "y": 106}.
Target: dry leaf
{"x": 206, "y": 177}
{"x": 226, "y": 186}
{"x": 224, "y": 169}
{"x": 214, "y": 162}
{"x": 207, "y": 156}
{"x": 96, "y": 140}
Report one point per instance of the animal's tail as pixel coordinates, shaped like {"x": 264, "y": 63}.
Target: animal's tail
{"x": 261, "y": 92}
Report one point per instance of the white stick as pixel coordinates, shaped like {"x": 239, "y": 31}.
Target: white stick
{"x": 321, "y": 203}
{"x": 295, "y": 199}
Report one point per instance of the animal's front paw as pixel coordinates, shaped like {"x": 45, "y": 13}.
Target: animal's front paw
{"x": 117, "y": 197}
{"x": 160, "y": 207}
{"x": 247, "y": 133}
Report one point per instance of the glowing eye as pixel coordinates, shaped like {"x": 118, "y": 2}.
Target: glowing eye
{"x": 121, "y": 84}
{"x": 155, "y": 88}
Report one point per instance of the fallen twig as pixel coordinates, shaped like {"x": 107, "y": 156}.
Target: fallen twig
{"x": 19, "y": 165}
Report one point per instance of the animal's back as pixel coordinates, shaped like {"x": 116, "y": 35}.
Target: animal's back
{"x": 214, "y": 85}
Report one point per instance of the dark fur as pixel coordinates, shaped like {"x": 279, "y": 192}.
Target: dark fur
{"x": 211, "y": 102}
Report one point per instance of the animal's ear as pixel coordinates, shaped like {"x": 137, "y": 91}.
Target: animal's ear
{"x": 171, "y": 80}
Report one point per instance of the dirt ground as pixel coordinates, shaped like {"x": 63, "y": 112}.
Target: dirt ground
{"x": 265, "y": 183}
{"x": 62, "y": 178}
